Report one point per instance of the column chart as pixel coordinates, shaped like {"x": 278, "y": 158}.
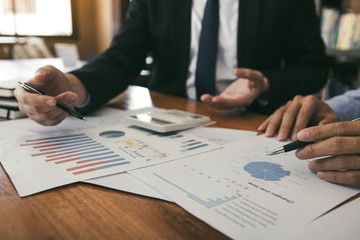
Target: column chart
{"x": 40, "y": 162}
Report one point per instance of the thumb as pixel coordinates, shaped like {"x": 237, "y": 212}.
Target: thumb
{"x": 248, "y": 73}
{"x": 44, "y": 74}
{"x": 241, "y": 72}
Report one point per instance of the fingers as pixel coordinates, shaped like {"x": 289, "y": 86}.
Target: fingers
{"x": 336, "y": 163}
{"x": 306, "y": 111}
{"x": 240, "y": 93}
{"x": 338, "y": 169}
{"x": 348, "y": 177}
{"x": 274, "y": 122}
{"x": 256, "y": 77}
{"x": 291, "y": 118}
{"x": 250, "y": 74}
{"x": 41, "y": 108}
{"x": 49, "y": 118}
{"x": 329, "y": 130}
{"x": 206, "y": 98}
{"x": 341, "y": 143}
{"x": 264, "y": 125}
{"x": 26, "y": 98}
{"x": 329, "y": 118}
{"x": 220, "y": 102}
{"x": 330, "y": 147}
{"x": 217, "y": 102}
{"x": 53, "y": 116}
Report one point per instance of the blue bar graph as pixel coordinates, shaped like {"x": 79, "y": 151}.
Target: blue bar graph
{"x": 209, "y": 202}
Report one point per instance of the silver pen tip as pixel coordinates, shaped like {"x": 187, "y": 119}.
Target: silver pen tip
{"x": 276, "y": 151}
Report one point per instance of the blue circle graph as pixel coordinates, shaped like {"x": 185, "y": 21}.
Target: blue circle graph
{"x": 266, "y": 171}
{"x": 112, "y": 134}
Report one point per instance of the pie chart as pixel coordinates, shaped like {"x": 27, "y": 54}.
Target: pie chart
{"x": 112, "y": 134}
{"x": 266, "y": 170}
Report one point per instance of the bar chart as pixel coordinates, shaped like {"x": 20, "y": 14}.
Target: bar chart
{"x": 86, "y": 154}
{"x": 43, "y": 161}
{"x": 192, "y": 144}
{"x": 208, "y": 202}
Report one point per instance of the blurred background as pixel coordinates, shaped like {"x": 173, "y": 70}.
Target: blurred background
{"x": 88, "y": 24}
{"x": 82, "y": 29}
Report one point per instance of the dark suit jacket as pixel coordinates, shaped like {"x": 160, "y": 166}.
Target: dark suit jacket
{"x": 280, "y": 38}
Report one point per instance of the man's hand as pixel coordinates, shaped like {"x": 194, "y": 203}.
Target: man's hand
{"x": 57, "y": 86}
{"x": 249, "y": 85}
{"x": 296, "y": 115}
{"x": 339, "y": 144}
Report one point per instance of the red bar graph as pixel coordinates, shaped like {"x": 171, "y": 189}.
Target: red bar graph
{"x": 79, "y": 152}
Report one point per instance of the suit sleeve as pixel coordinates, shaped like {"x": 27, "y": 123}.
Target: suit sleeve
{"x": 305, "y": 67}
{"x": 111, "y": 72}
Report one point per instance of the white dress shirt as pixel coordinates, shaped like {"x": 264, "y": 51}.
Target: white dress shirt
{"x": 227, "y": 46}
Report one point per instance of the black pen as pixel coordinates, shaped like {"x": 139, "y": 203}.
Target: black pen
{"x": 60, "y": 105}
{"x": 289, "y": 147}
{"x": 294, "y": 145}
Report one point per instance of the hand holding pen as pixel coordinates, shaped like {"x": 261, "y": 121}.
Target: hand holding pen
{"x": 59, "y": 87}
{"x": 294, "y": 145}
{"x": 60, "y": 105}
{"x": 337, "y": 147}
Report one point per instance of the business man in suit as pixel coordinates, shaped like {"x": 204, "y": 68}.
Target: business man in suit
{"x": 264, "y": 53}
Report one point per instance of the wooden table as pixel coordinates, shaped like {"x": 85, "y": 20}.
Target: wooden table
{"x": 84, "y": 211}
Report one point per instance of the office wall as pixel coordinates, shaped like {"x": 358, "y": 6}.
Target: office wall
{"x": 94, "y": 20}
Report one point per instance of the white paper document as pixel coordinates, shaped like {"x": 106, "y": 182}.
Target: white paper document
{"x": 108, "y": 117}
{"x": 126, "y": 182}
{"x": 244, "y": 193}
{"x": 341, "y": 223}
{"x": 102, "y": 117}
{"x": 221, "y": 136}
{"x": 40, "y": 162}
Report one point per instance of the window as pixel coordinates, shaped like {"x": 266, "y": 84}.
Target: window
{"x": 36, "y": 18}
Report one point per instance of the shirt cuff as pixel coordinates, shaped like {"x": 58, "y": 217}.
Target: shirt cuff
{"x": 263, "y": 101}
{"x": 84, "y": 104}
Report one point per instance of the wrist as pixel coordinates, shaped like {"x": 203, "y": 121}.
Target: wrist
{"x": 263, "y": 98}
{"x": 77, "y": 87}
{"x": 266, "y": 87}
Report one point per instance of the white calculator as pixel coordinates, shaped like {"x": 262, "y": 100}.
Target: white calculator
{"x": 167, "y": 120}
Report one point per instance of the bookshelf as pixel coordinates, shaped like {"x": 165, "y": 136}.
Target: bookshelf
{"x": 340, "y": 29}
